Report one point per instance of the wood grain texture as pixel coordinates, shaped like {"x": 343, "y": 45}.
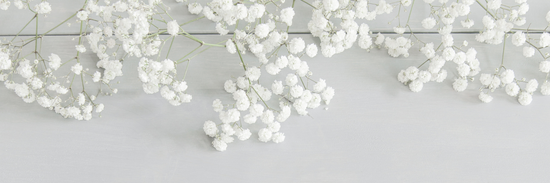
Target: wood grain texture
{"x": 15, "y": 19}
{"x": 375, "y": 130}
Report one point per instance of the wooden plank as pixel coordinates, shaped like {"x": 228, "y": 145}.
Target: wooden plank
{"x": 14, "y": 19}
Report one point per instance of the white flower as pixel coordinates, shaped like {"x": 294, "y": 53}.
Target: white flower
{"x": 286, "y": 16}
{"x": 81, "y": 99}
{"x": 460, "y": 58}
{"x": 528, "y": 51}
{"x": 243, "y": 83}
{"x": 545, "y": 88}
{"x": 485, "y": 98}
{"x": 523, "y": 8}
{"x": 328, "y": 94}
{"x": 467, "y": 23}
{"x": 265, "y": 135}
{"x": 272, "y": 69}
{"x": 296, "y": 45}
{"x": 525, "y": 98}
{"x": 76, "y": 68}
{"x": 267, "y": 117}
{"x": 485, "y": 79}
{"x": 18, "y": 3}
{"x": 221, "y": 29}
{"x": 531, "y": 86}
{"x": 544, "y": 66}
{"x": 43, "y": 8}
{"x": 210, "y": 128}
{"x": 230, "y": 86}
{"x": 330, "y": 5}
{"x": 544, "y": 40}
{"x": 494, "y": 4}
{"x": 172, "y": 27}
{"x": 399, "y": 30}
{"x": 80, "y": 48}
{"x": 278, "y": 137}
{"x": 416, "y": 85}
{"x": 250, "y": 119}
{"x": 448, "y": 54}
{"x": 219, "y": 145}
{"x": 460, "y": 84}
{"x": 281, "y": 62}
{"x": 274, "y": 127}
{"x": 194, "y": 8}
{"x": 296, "y": 91}
{"x": 230, "y": 46}
{"x": 253, "y": 73}
{"x": 262, "y": 30}
{"x": 256, "y": 110}
{"x": 319, "y": 86}
{"x": 424, "y": 76}
{"x": 99, "y": 108}
{"x": 227, "y": 129}
{"x": 440, "y": 77}
{"x": 428, "y": 23}
{"x": 244, "y": 134}
{"x": 4, "y": 4}
{"x": 229, "y": 116}
{"x": 463, "y": 69}
{"x": 255, "y": 11}
{"x": 277, "y": 87}
{"x": 291, "y": 79}
{"x": 512, "y": 89}
{"x": 311, "y": 50}
{"x": 412, "y": 72}
{"x": 507, "y": 76}
{"x": 239, "y": 95}
{"x": 54, "y": 61}
{"x": 96, "y": 77}
{"x": 82, "y": 15}
{"x": 518, "y": 38}
{"x": 217, "y": 105}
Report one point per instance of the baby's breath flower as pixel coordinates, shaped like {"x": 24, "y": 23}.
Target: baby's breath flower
{"x": 172, "y": 27}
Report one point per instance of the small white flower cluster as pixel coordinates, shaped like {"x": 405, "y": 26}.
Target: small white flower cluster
{"x": 122, "y": 24}
{"x": 496, "y": 25}
{"x": 160, "y": 76}
{"x": 254, "y": 99}
{"x": 507, "y": 80}
{"x": 264, "y": 40}
{"x": 336, "y": 39}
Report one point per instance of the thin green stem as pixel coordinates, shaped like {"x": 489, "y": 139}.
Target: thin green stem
{"x": 240, "y": 56}
{"x": 170, "y": 48}
{"x": 410, "y": 12}
{"x": 35, "y": 16}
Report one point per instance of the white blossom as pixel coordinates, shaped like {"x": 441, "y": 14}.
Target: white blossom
{"x": 264, "y": 135}
{"x": 544, "y": 66}
{"x": 524, "y": 98}
{"x": 172, "y": 27}
{"x": 278, "y": 137}
{"x": 210, "y": 128}
{"x": 485, "y": 98}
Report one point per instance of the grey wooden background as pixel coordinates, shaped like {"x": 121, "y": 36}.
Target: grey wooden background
{"x": 375, "y": 130}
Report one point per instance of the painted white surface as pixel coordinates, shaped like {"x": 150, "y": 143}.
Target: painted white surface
{"x": 375, "y": 130}
{"x": 15, "y": 19}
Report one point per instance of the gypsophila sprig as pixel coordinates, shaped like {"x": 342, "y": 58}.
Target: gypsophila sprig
{"x": 144, "y": 31}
